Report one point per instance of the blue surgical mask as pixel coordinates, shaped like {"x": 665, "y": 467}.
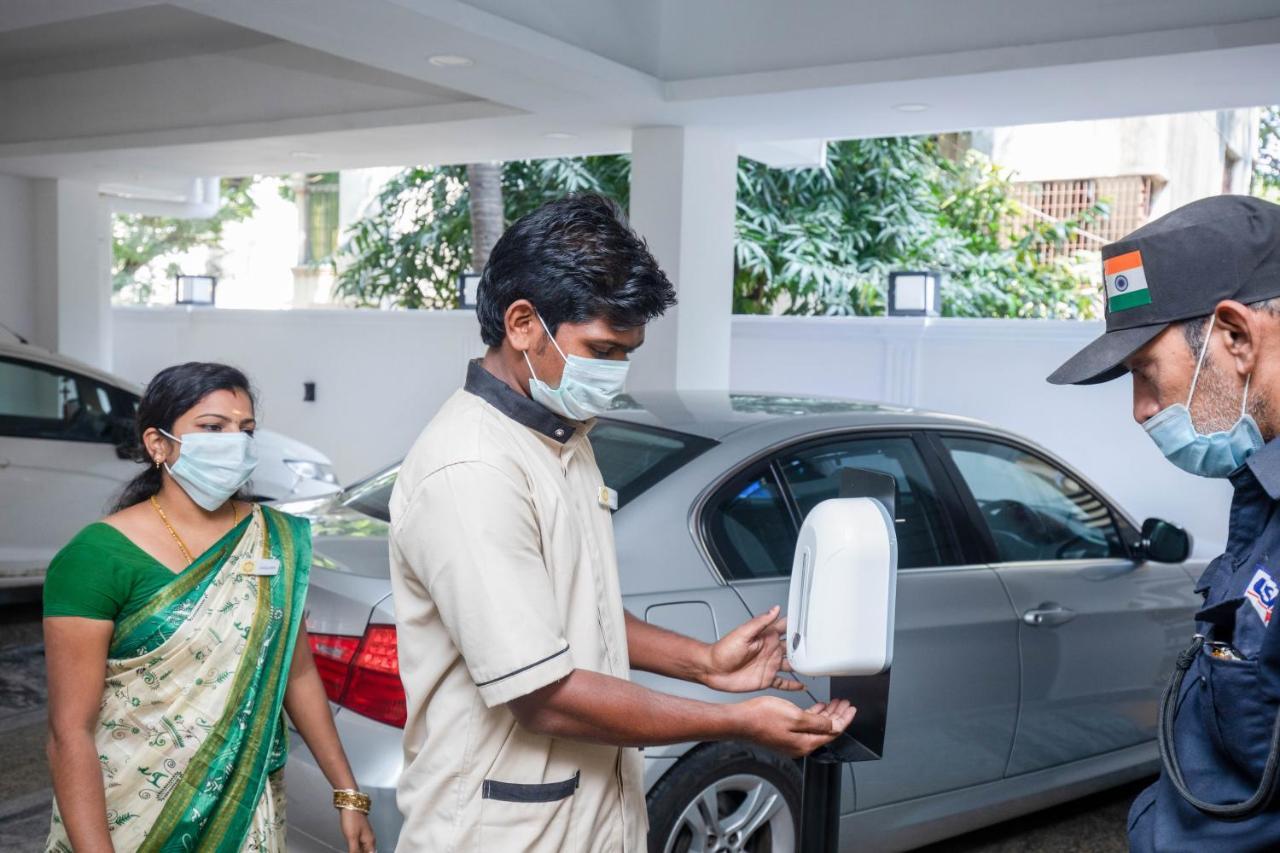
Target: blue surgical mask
{"x": 1214, "y": 455}
{"x": 212, "y": 466}
{"x": 588, "y": 386}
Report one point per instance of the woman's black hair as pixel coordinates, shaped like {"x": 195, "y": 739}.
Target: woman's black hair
{"x": 172, "y": 393}
{"x": 576, "y": 259}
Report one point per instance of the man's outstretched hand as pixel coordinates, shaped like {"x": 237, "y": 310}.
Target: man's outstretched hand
{"x": 775, "y": 723}
{"x": 751, "y": 657}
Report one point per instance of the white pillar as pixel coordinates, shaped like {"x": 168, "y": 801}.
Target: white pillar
{"x": 72, "y": 241}
{"x": 683, "y": 195}
{"x": 17, "y": 257}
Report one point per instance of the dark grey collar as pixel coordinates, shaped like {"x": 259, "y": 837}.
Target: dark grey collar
{"x": 515, "y": 405}
{"x": 1265, "y": 465}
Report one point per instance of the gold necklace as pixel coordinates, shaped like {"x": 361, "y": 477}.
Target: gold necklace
{"x": 235, "y": 519}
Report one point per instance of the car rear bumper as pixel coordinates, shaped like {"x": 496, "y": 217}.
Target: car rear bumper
{"x": 375, "y": 754}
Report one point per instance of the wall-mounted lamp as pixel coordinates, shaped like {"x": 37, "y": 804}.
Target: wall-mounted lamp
{"x": 196, "y": 289}
{"x": 468, "y": 289}
{"x": 915, "y": 294}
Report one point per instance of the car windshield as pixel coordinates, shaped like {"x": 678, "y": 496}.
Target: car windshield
{"x": 632, "y": 458}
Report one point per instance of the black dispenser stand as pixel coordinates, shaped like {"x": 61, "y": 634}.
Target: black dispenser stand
{"x": 864, "y": 739}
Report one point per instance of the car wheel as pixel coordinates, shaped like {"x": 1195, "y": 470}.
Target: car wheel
{"x": 726, "y": 798}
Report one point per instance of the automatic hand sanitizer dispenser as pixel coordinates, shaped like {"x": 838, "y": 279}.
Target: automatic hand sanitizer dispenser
{"x": 840, "y": 621}
{"x": 843, "y": 582}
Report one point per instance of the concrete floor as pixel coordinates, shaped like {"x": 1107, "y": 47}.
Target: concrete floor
{"x": 1094, "y": 824}
{"x": 25, "y": 795}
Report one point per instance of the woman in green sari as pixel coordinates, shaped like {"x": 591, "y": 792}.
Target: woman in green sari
{"x": 175, "y": 644}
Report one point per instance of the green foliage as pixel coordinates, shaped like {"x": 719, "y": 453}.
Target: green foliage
{"x": 1266, "y": 159}
{"x": 823, "y": 241}
{"x": 409, "y": 252}
{"x": 137, "y": 240}
{"x": 807, "y": 241}
{"x": 997, "y": 270}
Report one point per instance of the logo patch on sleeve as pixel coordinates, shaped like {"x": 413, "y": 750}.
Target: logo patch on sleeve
{"x": 1262, "y": 594}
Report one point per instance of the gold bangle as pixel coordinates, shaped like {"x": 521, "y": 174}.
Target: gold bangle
{"x": 349, "y": 798}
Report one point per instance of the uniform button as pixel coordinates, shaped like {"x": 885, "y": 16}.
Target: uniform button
{"x": 560, "y": 432}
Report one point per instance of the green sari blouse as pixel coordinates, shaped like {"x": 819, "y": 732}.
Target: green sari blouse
{"x": 102, "y": 574}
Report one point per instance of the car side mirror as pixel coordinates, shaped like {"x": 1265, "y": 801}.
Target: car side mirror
{"x": 1164, "y": 542}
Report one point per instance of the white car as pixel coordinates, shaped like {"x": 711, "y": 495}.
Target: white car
{"x": 62, "y": 428}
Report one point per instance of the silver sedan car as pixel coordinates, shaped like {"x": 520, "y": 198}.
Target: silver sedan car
{"x": 1035, "y": 629}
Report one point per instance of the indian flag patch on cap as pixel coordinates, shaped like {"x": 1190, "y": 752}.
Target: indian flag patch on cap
{"x": 1126, "y": 282}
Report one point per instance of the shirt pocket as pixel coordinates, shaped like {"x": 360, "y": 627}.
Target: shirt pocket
{"x": 1240, "y": 718}
{"x": 530, "y": 818}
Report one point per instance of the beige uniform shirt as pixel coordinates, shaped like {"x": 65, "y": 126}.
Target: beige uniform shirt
{"x": 505, "y": 580}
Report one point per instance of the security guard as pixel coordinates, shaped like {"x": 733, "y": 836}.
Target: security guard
{"x": 1193, "y": 313}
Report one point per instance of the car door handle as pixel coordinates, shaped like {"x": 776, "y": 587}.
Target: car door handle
{"x": 1048, "y": 614}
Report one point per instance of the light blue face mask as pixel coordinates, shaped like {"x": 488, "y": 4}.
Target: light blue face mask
{"x": 1213, "y": 455}
{"x": 588, "y": 386}
{"x": 212, "y": 466}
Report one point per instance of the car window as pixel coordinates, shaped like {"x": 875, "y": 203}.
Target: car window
{"x": 37, "y": 401}
{"x": 632, "y": 458}
{"x": 751, "y": 530}
{"x": 1033, "y": 509}
{"x": 924, "y": 537}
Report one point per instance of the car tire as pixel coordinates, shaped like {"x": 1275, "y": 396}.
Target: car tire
{"x": 755, "y": 794}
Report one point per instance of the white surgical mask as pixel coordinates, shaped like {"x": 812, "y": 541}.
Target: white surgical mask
{"x": 1214, "y": 455}
{"x": 588, "y": 386}
{"x": 212, "y": 466}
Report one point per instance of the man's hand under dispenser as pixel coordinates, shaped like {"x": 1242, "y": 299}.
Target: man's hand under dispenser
{"x": 793, "y": 731}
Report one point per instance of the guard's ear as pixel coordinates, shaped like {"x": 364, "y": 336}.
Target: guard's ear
{"x": 1240, "y": 328}
{"x": 522, "y": 325}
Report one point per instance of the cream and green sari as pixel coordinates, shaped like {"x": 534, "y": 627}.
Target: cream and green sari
{"x": 191, "y": 735}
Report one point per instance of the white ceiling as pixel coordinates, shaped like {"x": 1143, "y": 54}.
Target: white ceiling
{"x": 128, "y": 90}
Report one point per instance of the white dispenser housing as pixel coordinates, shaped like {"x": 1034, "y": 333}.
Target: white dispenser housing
{"x": 844, "y": 582}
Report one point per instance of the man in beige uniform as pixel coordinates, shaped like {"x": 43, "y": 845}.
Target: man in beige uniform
{"x": 514, "y": 646}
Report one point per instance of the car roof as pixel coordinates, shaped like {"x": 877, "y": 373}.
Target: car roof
{"x": 719, "y": 414}
{"x": 40, "y": 355}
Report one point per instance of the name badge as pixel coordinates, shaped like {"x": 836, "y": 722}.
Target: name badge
{"x": 262, "y": 567}
{"x": 607, "y": 497}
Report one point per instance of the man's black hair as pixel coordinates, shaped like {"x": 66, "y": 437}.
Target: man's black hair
{"x": 576, "y": 259}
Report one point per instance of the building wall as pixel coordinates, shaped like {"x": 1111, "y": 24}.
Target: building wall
{"x": 381, "y": 375}
{"x": 1185, "y": 150}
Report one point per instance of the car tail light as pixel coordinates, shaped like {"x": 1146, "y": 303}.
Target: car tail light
{"x": 363, "y": 673}
{"x": 333, "y": 656}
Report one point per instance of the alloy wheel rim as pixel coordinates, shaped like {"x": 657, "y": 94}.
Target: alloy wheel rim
{"x": 744, "y": 813}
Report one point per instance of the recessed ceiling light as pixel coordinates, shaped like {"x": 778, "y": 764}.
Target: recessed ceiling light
{"x": 560, "y": 134}
{"x": 304, "y": 155}
{"x": 449, "y": 60}
{"x": 911, "y": 108}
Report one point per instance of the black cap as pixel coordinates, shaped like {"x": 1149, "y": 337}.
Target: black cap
{"x": 1177, "y": 268}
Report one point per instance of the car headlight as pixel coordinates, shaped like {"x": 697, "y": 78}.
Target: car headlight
{"x": 312, "y": 470}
